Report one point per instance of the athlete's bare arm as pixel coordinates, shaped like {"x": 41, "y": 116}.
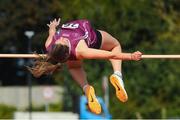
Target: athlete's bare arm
{"x": 83, "y": 52}
{"x": 52, "y": 30}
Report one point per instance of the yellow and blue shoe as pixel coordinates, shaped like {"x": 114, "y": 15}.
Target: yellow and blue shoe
{"x": 93, "y": 103}
{"x": 118, "y": 84}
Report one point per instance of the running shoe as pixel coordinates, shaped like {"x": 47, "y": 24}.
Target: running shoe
{"x": 93, "y": 103}
{"x": 118, "y": 84}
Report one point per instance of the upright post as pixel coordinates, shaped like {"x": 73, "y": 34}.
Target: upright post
{"x": 29, "y": 34}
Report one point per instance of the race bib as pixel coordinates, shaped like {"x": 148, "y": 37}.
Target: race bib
{"x": 70, "y": 25}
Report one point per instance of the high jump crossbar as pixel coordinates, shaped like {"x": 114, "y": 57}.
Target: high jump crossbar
{"x": 21, "y": 55}
{"x": 160, "y": 56}
{"x": 37, "y": 56}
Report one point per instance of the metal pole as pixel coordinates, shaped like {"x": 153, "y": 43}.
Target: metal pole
{"x": 37, "y": 56}
{"x": 30, "y": 82}
{"x": 29, "y": 34}
{"x": 21, "y": 55}
{"x": 160, "y": 56}
{"x": 30, "y": 95}
{"x": 106, "y": 90}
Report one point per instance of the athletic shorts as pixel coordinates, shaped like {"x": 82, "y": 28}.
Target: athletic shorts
{"x": 99, "y": 39}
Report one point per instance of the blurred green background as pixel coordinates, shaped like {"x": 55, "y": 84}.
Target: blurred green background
{"x": 150, "y": 26}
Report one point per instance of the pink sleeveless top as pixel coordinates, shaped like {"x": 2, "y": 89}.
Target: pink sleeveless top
{"x": 75, "y": 31}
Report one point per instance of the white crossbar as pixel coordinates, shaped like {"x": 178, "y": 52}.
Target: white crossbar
{"x": 36, "y": 56}
{"x": 161, "y": 56}
{"x": 20, "y": 55}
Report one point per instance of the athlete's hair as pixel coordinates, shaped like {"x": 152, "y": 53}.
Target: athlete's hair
{"x": 59, "y": 53}
{"x": 47, "y": 65}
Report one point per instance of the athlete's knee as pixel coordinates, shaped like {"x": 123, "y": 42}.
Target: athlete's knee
{"x": 118, "y": 47}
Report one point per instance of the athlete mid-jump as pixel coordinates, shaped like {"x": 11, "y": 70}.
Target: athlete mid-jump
{"x": 77, "y": 40}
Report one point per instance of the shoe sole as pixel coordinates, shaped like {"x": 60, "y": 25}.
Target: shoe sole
{"x": 120, "y": 91}
{"x": 93, "y": 103}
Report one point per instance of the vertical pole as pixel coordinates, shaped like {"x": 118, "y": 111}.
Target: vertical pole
{"x": 106, "y": 90}
{"x": 30, "y": 96}
{"x": 29, "y": 34}
{"x": 30, "y": 82}
{"x": 46, "y": 106}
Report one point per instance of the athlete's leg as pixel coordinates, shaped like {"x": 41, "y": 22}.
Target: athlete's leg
{"x": 112, "y": 44}
{"x": 79, "y": 75}
{"x": 77, "y": 72}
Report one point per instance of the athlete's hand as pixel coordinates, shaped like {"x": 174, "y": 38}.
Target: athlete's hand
{"x": 136, "y": 56}
{"x": 52, "y": 25}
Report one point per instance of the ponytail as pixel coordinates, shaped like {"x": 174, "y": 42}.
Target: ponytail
{"x": 52, "y": 62}
{"x": 43, "y": 66}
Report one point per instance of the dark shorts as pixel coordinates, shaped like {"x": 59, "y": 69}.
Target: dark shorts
{"x": 99, "y": 39}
